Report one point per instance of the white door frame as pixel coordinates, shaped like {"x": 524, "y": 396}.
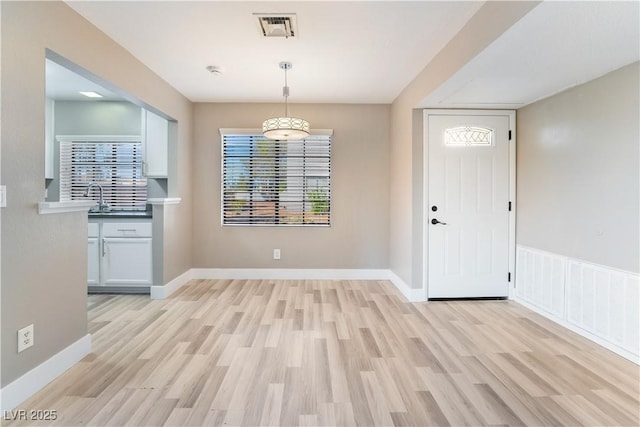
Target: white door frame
{"x": 511, "y": 114}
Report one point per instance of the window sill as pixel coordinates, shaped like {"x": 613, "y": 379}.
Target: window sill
{"x": 164, "y": 201}
{"x": 64, "y": 207}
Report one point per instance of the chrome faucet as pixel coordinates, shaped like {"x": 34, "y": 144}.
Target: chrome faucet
{"x": 102, "y": 205}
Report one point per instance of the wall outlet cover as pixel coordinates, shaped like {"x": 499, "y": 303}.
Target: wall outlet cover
{"x": 25, "y": 338}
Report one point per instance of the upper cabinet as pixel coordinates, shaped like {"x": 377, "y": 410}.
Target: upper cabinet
{"x": 155, "y": 145}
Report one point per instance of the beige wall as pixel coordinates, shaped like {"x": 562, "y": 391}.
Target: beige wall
{"x": 566, "y": 175}
{"x": 406, "y": 189}
{"x": 44, "y": 256}
{"x": 358, "y": 236}
{"x": 578, "y": 172}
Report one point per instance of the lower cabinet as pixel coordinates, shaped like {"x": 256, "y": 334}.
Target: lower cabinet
{"x": 126, "y": 261}
{"x": 93, "y": 259}
{"x": 120, "y": 254}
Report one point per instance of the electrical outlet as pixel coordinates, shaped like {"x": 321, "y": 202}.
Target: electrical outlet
{"x": 3, "y": 196}
{"x": 25, "y": 338}
{"x": 276, "y": 254}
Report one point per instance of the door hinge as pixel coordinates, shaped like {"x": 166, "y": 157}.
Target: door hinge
{"x": 509, "y": 276}
{"x": 509, "y": 135}
{"x": 509, "y": 206}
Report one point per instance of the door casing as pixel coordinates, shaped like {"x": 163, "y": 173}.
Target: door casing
{"x": 511, "y": 114}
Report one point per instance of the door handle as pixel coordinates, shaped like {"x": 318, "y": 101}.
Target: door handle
{"x": 435, "y": 221}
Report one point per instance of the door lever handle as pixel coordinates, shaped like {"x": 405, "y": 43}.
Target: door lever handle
{"x": 435, "y": 221}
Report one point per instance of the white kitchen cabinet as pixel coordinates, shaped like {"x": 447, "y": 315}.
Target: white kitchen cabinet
{"x": 126, "y": 261}
{"x": 120, "y": 254}
{"x": 93, "y": 254}
{"x": 155, "y": 136}
{"x": 93, "y": 261}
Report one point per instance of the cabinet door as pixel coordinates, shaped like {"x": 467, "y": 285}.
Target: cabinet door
{"x": 93, "y": 261}
{"x": 126, "y": 261}
{"x": 156, "y": 145}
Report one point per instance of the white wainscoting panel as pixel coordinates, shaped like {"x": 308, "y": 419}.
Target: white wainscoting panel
{"x": 540, "y": 279}
{"x": 601, "y": 303}
{"x": 604, "y": 302}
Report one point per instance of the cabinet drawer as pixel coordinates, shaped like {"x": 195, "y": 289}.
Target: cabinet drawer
{"x": 126, "y": 229}
{"x": 94, "y": 229}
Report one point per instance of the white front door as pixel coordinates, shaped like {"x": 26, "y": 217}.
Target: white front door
{"x": 468, "y": 206}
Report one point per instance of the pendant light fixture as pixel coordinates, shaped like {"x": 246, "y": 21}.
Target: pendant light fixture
{"x": 285, "y": 128}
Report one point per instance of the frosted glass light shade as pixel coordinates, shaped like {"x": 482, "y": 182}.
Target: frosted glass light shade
{"x": 285, "y": 128}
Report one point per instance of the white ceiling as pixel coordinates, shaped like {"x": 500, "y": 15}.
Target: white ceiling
{"x": 556, "y": 46}
{"x": 65, "y": 85}
{"x": 353, "y": 52}
{"x": 368, "y": 51}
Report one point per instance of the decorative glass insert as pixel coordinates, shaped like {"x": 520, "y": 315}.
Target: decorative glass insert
{"x": 468, "y": 135}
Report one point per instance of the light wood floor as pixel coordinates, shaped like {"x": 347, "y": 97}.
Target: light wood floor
{"x": 333, "y": 353}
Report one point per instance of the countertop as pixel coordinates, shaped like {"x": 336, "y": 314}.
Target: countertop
{"x": 121, "y": 214}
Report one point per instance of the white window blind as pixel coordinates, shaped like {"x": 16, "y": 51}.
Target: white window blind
{"x": 267, "y": 182}
{"x": 114, "y": 164}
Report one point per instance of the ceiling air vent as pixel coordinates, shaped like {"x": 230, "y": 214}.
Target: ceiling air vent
{"x": 277, "y": 25}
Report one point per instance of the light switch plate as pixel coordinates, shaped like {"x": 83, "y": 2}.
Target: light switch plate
{"x": 3, "y": 196}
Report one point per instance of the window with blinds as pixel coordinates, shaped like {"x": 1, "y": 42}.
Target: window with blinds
{"x": 267, "y": 182}
{"x": 114, "y": 164}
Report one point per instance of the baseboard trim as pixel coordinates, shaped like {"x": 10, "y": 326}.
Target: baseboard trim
{"x": 290, "y": 273}
{"x": 24, "y": 387}
{"x": 162, "y": 292}
{"x": 586, "y": 334}
{"x": 411, "y": 294}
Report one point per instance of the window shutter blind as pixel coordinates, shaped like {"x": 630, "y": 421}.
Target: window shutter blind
{"x": 272, "y": 182}
{"x": 115, "y": 165}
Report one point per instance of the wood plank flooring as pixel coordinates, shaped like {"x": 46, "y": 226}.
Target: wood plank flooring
{"x": 333, "y": 353}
